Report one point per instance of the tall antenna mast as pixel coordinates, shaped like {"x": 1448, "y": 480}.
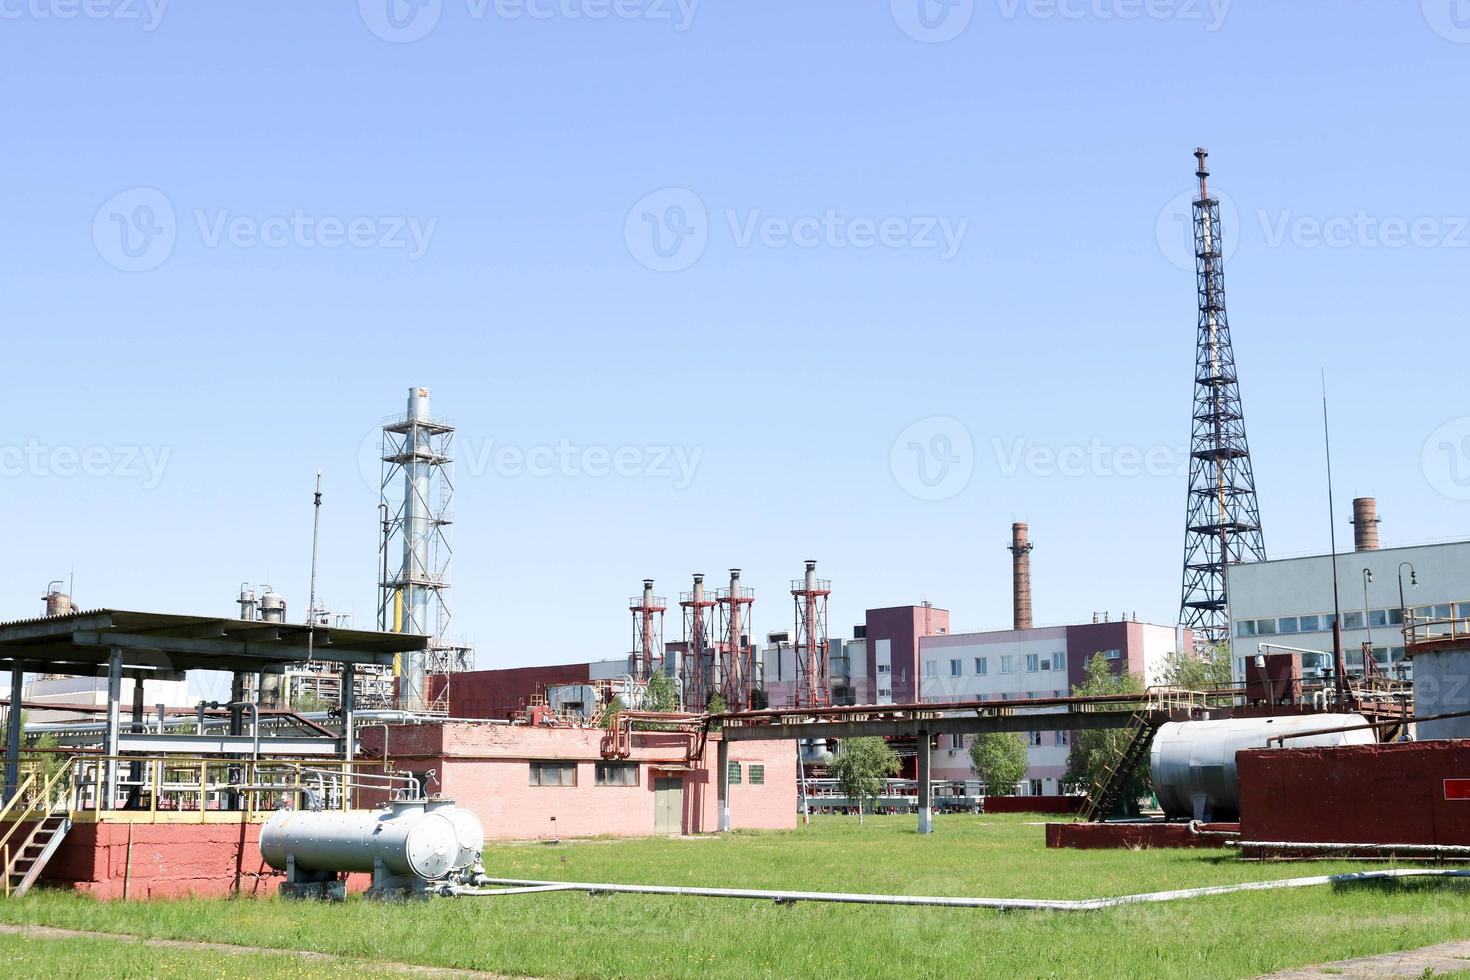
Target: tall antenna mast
{"x": 1339, "y": 663}
{"x": 316, "y": 528}
{"x": 1223, "y": 520}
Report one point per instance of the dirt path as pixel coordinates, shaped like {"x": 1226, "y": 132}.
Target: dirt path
{"x": 325, "y": 959}
{"x": 1452, "y": 957}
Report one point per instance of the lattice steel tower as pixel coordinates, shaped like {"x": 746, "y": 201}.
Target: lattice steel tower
{"x": 417, "y": 495}
{"x": 1223, "y": 524}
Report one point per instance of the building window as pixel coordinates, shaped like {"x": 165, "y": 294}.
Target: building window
{"x": 980, "y": 666}
{"x": 884, "y": 692}
{"x": 617, "y": 774}
{"x": 1034, "y": 738}
{"x": 1061, "y": 738}
{"x": 885, "y": 668}
{"x": 1007, "y": 665}
{"x": 1246, "y": 627}
{"x": 757, "y": 775}
{"x": 734, "y": 774}
{"x": 1033, "y": 663}
{"x": 1352, "y": 621}
{"x": 955, "y": 668}
{"x": 1112, "y": 654}
{"x": 1059, "y": 661}
{"x": 1396, "y": 616}
{"x": 1309, "y": 624}
{"x": 1035, "y": 787}
{"x": 1265, "y": 627}
{"x": 1286, "y": 624}
{"x": 1378, "y": 617}
{"x": 553, "y": 774}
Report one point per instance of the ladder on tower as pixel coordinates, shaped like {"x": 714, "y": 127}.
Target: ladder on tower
{"x": 1142, "y": 727}
{"x": 44, "y": 803}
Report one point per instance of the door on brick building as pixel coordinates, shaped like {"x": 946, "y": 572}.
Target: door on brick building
{"x": 668, "y": 805}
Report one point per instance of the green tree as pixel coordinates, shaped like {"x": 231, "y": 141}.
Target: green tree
{"x": 999, "y": 759}
{"x": 1093, "y": 751}
{"x": 716, "y": 706}
{"x": 661, "y": 694}
{"x": 860, "y": 767}
{"x": 610, "y": 711}
{"x": 1207, "y": 671}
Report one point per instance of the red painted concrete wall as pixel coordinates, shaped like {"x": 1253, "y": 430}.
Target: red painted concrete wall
{"x": 501, "y": 693}
{"x": 1368, "y": 794}
{"x": 169, "y": 860}
{"x": 1098, "y": 836}
{"x": 1033, "y": 804}
{"x": 486, "y": 768}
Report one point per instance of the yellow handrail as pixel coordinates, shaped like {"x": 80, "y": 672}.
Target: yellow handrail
{"x": 20, "y": 791}
{"x": 44, "y": 796}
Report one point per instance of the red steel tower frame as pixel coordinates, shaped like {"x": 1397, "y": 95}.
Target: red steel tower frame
{"x": 699, "y": 656}
{"x": 736, "y": 673}
{"x": 648, "y": 632}
{"x": 813, "y": 684}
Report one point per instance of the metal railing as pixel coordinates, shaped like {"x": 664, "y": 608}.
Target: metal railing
{"x": 37, "y": 797}
{"x": 180, "y": 786}
{"x": 1418, "y": 630}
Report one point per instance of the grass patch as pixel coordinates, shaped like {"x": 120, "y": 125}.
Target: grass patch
{"x": 1000, "y": 855}
{"x": 39, "y": 956}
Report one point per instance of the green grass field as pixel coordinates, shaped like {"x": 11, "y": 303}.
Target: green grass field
{"x": 638, "y": 935}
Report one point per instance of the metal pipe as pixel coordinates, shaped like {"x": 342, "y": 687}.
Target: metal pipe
{"x": 1038, "y": 904}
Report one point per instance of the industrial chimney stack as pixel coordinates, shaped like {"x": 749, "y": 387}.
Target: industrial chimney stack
{"x": 1021, "y": 575}
{"x": 1365, "y": 524}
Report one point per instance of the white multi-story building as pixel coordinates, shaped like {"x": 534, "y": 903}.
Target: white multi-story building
{"x": 1047, "y": 662}
{"x": 1287, "y": 604}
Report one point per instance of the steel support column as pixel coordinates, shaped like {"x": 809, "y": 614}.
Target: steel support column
{"x": 722, "y": 782}
{"x": 109, "y": 745}
{"x": 135, "y": 770}
{"x": 349, "y": 708}
{"x": 926, "y": 787}
{"x": 13, "y": 730}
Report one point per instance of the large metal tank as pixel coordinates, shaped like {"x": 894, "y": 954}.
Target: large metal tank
{"x": 1194, "y": 761}
{"x": 404, "y": 839}
{"x": 273, "y": 606}
{"x": 469, "y": 832}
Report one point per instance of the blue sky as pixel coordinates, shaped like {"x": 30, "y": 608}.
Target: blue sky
{"x": 233, "y": 235}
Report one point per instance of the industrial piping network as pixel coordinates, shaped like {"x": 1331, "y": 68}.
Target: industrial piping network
{"x": 519, "y": 886}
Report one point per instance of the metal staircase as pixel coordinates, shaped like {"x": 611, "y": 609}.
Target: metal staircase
{"x": 1143, "y": 725}
{"x": 43, "y": 804}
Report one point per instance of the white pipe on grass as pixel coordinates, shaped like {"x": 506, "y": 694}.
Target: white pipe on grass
{"x": 1035, "y": 904}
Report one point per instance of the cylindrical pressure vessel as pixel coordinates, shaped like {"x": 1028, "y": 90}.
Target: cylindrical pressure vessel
{"x": 470, "y": 833}
{"x": 407, "y": 841}
{"x": 1194, "y": 761}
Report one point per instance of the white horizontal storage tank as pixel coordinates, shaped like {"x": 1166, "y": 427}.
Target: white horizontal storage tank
{"x": 1193, "y": 762}
{"x": 402, "y": 842}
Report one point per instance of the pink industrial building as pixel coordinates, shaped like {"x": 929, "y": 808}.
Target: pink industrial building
{"x": 531, "y": 782}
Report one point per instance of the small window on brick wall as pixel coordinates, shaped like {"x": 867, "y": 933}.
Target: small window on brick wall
{"x": 553, "y": 774}
{"x": 617, "y": 774}
{"x": 757, "y": 775}
{"x": 734, "y": 774}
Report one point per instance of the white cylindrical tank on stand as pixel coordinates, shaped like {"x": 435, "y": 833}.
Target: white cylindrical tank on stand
{"x": 1194, "y": 761}
{"x": 469, "y": 832}
{"x": 403, "y": 840}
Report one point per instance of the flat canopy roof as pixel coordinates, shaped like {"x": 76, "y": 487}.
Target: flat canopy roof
{"x": 166, "y": 644}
